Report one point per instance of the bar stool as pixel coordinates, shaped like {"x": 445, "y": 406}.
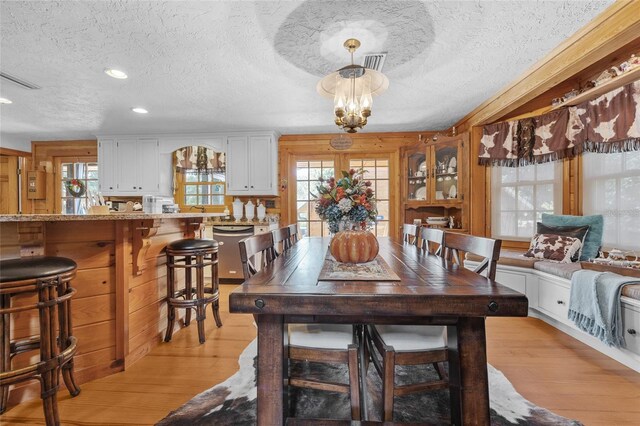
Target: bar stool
{"x": 47, "y": 278}
{"x": 181, "y": 254}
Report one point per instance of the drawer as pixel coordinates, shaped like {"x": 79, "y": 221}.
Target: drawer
{"x": 553, "y": 298}
{"x": 631, "y": 325}
{"x": 513, "y": 280}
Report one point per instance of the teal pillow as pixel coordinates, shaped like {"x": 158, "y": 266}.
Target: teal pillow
{"x": 592, "y": 242}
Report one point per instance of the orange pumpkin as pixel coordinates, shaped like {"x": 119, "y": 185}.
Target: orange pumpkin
{"x": 354, "y": 246}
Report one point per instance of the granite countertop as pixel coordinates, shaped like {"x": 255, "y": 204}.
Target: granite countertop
{"x": 110, "y": 216}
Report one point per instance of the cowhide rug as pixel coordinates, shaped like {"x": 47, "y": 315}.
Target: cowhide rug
{"x": 233, "y": 402}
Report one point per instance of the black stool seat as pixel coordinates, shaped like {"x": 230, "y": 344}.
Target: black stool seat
{"x": 34, "y": 267}
{"x": 192, "y": 244}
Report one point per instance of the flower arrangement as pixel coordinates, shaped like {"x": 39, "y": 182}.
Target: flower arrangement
{"x": 347, "y": 199}
{"x": 75, "y": 187}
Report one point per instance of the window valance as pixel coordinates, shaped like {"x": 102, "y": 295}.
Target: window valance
{"x": 609, "y": 123}
{"x": 199, "y": 158}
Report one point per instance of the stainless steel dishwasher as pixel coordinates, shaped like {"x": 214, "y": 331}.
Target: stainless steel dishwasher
{"x": 229, "y": 264}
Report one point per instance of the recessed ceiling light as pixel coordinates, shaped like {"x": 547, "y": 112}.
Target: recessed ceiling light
{"x": 139, "y": 110}
{"x": 5, "y": 101}
{"x": 115, "y": 73}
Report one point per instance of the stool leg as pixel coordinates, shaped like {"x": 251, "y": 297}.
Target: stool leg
{"x": 171, "y": 310}
{"x": 47, "y": 352}
{"x": 5, "y": 349}
{"x": 200, "y": 306}
{"x": 66, "y": 331}
{"x": 187, "y": 288}
{"x": 215, "y": 306}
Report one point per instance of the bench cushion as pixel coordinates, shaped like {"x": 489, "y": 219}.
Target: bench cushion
{"x": 563, "y": 270}
{"x": 509, "y": 258}
{"x": 632, "y": 291}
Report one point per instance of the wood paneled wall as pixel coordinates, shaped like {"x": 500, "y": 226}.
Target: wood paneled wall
{"x": 46, "y": 152}
{"x": 364, "y": 144}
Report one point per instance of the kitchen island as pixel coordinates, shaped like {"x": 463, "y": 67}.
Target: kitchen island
{"x": 119, "y": 312}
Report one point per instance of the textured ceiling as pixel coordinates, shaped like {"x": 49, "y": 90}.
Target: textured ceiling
{"x": 205, "y": 66}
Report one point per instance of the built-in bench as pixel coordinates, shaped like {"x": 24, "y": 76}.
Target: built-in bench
{"x": 547, "y": 285}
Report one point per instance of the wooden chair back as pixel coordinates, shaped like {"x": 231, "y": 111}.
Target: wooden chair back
{"x": 432, "y": 240}
{"x": 256, "y": 252}
{"x": 281, "y": 241}
{"x": 293, "y": 233}
{"x": 485, "y": 247}
{"x": 410, "y": 234}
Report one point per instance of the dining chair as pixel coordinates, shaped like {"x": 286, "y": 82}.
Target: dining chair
{"x": 293, "y": 233}
{"x": 322, "y": 343}
{"x": 410, "y": 234}
{"x": 423, "y": 344}
{"x": 487, "y": 248}
{"x": 281, "y": 240}
{"x": 256, "y": 252}
{"x": 432, "y": 240}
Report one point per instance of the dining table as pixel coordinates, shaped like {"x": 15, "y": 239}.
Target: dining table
{"x": 428, "y": 290}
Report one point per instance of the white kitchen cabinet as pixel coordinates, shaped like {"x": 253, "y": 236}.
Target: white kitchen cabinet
{"x": 106, "y": 166}
{"x": 128, "y": 166}
{"x": 252, "y": 165}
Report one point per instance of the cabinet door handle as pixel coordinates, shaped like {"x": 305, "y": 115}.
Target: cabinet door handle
{"x": 245, "y": 186}
{"x": 560, "y": 302}
{"x": 139, "y": 187}
{"x": 111, "y": 187}
{"x": 134, "y": 187}
{"x": 252, "y": 186}
{"x": 631, "y": 331}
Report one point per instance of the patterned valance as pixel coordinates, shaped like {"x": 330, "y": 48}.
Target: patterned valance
{"x": 609, "y": 123}
{"x": 199, "y": 158}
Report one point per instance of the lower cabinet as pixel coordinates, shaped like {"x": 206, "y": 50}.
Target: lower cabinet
{"x": 553, "y": 298}
{"x": 513, "y": 280}
{"x": 631, "y": 323}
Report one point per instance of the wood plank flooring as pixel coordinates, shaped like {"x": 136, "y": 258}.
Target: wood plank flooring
{"x": 546, "y": 366}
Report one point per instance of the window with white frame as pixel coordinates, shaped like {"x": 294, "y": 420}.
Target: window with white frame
{"x": 611, "y": 187}
{"x": 519, "y": 197}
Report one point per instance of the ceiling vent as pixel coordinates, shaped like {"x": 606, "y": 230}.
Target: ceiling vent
{"x": 22, "y": 83}
{"x": 374, "y": 61}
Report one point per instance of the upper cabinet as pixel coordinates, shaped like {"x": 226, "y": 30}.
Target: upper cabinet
{"x": 252, "y": 164}
{"x": 139, "y": 165}
{"x": 128, "y": 166}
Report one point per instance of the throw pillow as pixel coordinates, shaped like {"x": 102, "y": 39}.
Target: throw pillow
{"x": 579, "y": 232}
{"x": 557, "y": 248}
{"x": 593, "y": 240}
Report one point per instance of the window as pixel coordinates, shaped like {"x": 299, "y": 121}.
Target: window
{"x": 377, "y": 171}
{"x": 611, "y": 187}
{"x": 307, "y": 174}
{"x": 520, "y": 195}
{"x": 203, "y": 188}
{"x": 86, "y": 173}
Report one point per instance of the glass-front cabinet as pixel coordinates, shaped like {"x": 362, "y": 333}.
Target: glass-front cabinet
{"x": 445, "y": 171}
{"x": 435, "y": 181}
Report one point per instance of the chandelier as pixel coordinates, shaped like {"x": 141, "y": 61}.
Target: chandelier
{"x": 352, "y": 88}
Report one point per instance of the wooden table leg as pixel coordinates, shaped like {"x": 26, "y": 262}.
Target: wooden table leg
{"x": 270, "y": 401}
{"x": 468, "y": 379}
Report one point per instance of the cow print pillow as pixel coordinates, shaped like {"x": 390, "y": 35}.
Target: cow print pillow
{"x": 557, "y": 248}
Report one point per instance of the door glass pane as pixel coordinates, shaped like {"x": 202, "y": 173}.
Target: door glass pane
{"x": 377, "y": 171}
{"x": 78, "y": 181}
{"x": 307, "y": 175}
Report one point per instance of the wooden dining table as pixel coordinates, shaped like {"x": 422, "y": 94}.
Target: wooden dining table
{"x": 431, "y": 290}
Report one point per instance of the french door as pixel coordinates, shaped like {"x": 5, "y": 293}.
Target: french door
{"x": 303, "y": 178}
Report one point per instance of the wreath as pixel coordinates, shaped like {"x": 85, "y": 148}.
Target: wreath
{"x": 75, "y": 187}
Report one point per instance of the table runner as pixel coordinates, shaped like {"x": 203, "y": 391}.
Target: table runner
{"x": 376, "y": 270}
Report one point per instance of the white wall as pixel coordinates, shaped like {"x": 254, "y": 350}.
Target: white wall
{"x": 15, "y": 142}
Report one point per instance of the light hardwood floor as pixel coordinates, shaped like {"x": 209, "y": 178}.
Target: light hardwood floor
{"x": 546, "y": 366}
